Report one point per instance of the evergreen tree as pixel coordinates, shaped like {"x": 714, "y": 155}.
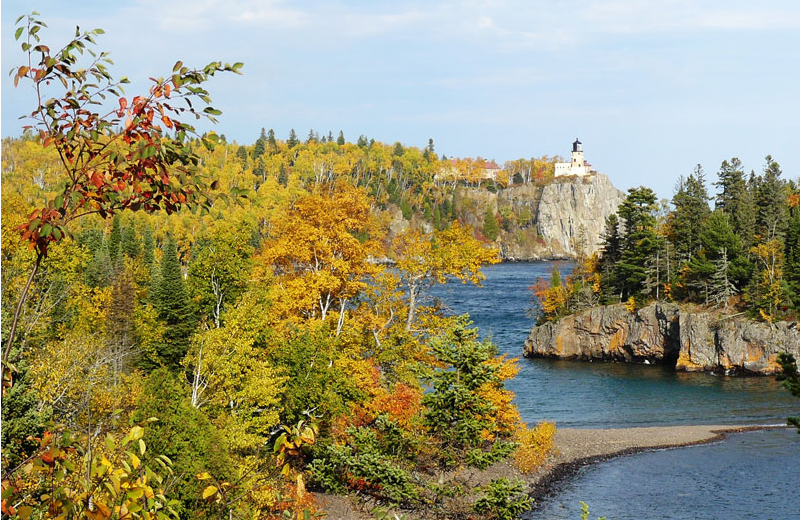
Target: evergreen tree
{"x": 260, "y": 146}
{"x": 241, "y": 154}
{"x": 148, "y": 246}
{"x": 490, "y": 227}
{"x": 330, "y": 136}
{"x": 313, "y": 137}
{"x": 185, "y": 435}
{"x": 283, "y": 178}
{"x": 639, "y": 242}
{"x": 293, "y": 140}
{"x": 129, "y": 244}
{"x": 340, "y": 140}
{"x": 362, "y": 141}
{"x": 115, "y": 238}
{"x": 734, "y": 199}
{"x": 173, "y": 306}
{"x": 792, "y": 255}
{"x": 100, "y": 270}
{"x": 273, "y": 144}
{"x": 398, "y": 150}
{"x": 771, "y": 208}
{"x": 691, "y": 210}
{"x": 722, "y": 287}
{"x": 610, "y": 254}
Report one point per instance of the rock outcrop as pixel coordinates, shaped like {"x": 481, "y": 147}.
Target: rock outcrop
{"x": 663, "y": 333}
{"x": 574, "y": 209}
{"x": 548, "y": 221}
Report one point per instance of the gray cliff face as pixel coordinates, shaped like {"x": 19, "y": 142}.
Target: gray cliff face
{"x": 550, "y": 219}
{"x": 571, "y": 207}
{"x": 545, "y": 221}
{"x": 663, "y": 333}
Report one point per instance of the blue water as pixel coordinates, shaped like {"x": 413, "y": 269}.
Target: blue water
{"x": 748, "y": 475}
{"x": 605, "y": 395}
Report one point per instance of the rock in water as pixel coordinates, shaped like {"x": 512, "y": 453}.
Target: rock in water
{"x": 663, "y": 333}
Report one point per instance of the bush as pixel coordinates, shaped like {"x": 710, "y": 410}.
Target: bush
{"x": 365, "y": 463}
{"x": 533, "y": 446}
{"x": 503, "y": 499}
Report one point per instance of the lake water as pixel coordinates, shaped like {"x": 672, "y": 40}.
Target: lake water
{"x": 606, "y": 395}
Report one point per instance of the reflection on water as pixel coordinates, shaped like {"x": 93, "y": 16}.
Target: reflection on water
{"x": 584, "y": 394}
{"x": 748, "y": 475}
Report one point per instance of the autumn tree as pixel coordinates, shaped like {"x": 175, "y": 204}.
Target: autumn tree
{"x": 427, "y": 259}
{"x": 320, "y": 262}
{"x": 131, "y": 154}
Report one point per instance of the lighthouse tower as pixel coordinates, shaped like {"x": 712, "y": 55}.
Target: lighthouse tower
{"x": 577, "y": 165}
{"x": 577, "y": 154}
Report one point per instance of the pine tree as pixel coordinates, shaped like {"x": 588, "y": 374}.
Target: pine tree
{"x": 691, "y": 210}
{"x": 293, "y": 140}
{"x": 771, "y": 209}
{"x": 611, "y": 252}
{"x": 792, "y": 255}
{"x": 340, "y": 140}
{"x": 173, "y": 306}
{"x": 722, "y": 287}
{"x": 639, "y": 242}
{"x": 129, "y": 244}
{"x": 241, "y": 154}
{"x": 148, "y": 246}
{"x": 261, "y": 143}
{"x": 100, "y": 270}
{"x": 734, "y": 199}
{"x": 490, "y": 227}
{"x": 273, "y": 144}
{"x": 114, "y": 238}
{"x": 312, "y": 137}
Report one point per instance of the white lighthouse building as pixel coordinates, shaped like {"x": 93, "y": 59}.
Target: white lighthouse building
{"x": 577, "y": 165}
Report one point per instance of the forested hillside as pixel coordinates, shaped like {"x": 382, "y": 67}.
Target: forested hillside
{"x": 194, "y": 328}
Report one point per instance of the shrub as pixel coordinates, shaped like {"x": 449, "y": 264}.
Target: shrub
{"x": 533, "y": 445}
{"x": 503, "y": 499}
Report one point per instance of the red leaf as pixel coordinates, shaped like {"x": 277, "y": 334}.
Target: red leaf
{"x": 123, "y": 103}
{"x": 97, "y": 180}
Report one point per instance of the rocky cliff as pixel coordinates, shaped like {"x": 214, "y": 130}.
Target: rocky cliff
{"x": 664, "y": 333}
{"x": 545, "y": 221}
{"x": 573, "y": 207}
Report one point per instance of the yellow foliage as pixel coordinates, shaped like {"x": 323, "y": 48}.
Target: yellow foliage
{"x": 630, "y": 305}
{"x": 534, "y": 445}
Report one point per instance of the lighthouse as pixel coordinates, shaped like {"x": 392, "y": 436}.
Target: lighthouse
{"x": 577, "y": 165}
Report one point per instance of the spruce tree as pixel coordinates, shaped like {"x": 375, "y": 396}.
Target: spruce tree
{"x": 734, "y": 199}
{"x": 792, "y": 255}
{"x": 293, "y": 140}
{"x": 148, "y": 246}
{"x": 722, "y": 287}
{"x": 115, "y": 238}
{"x": 129, "y": 244}
{"x": 273, "y": 144}
{"x": 639, "y": 242}
{"x": 610, "y": 254}
{"x": 340, "y": 140}
{"x": 490, "y": 227}
{"x": 174, "y": 308}
{"x": 691, "y": 210}
{"x": 771, "y": 208}
{"x": 260, "y": 146}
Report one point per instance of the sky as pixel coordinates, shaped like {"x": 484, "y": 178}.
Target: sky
{"x": 651, "y": 88}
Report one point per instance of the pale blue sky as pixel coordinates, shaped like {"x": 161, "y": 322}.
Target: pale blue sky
{"x": 650, "y": 87}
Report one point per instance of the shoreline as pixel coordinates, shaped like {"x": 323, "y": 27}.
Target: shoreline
{"x": 576, "y": 448}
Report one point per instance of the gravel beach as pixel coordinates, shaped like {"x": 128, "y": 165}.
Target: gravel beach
{"x": 573, "y": 449}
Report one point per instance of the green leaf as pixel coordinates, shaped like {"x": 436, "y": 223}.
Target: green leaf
{"x": 18, "y": 33}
